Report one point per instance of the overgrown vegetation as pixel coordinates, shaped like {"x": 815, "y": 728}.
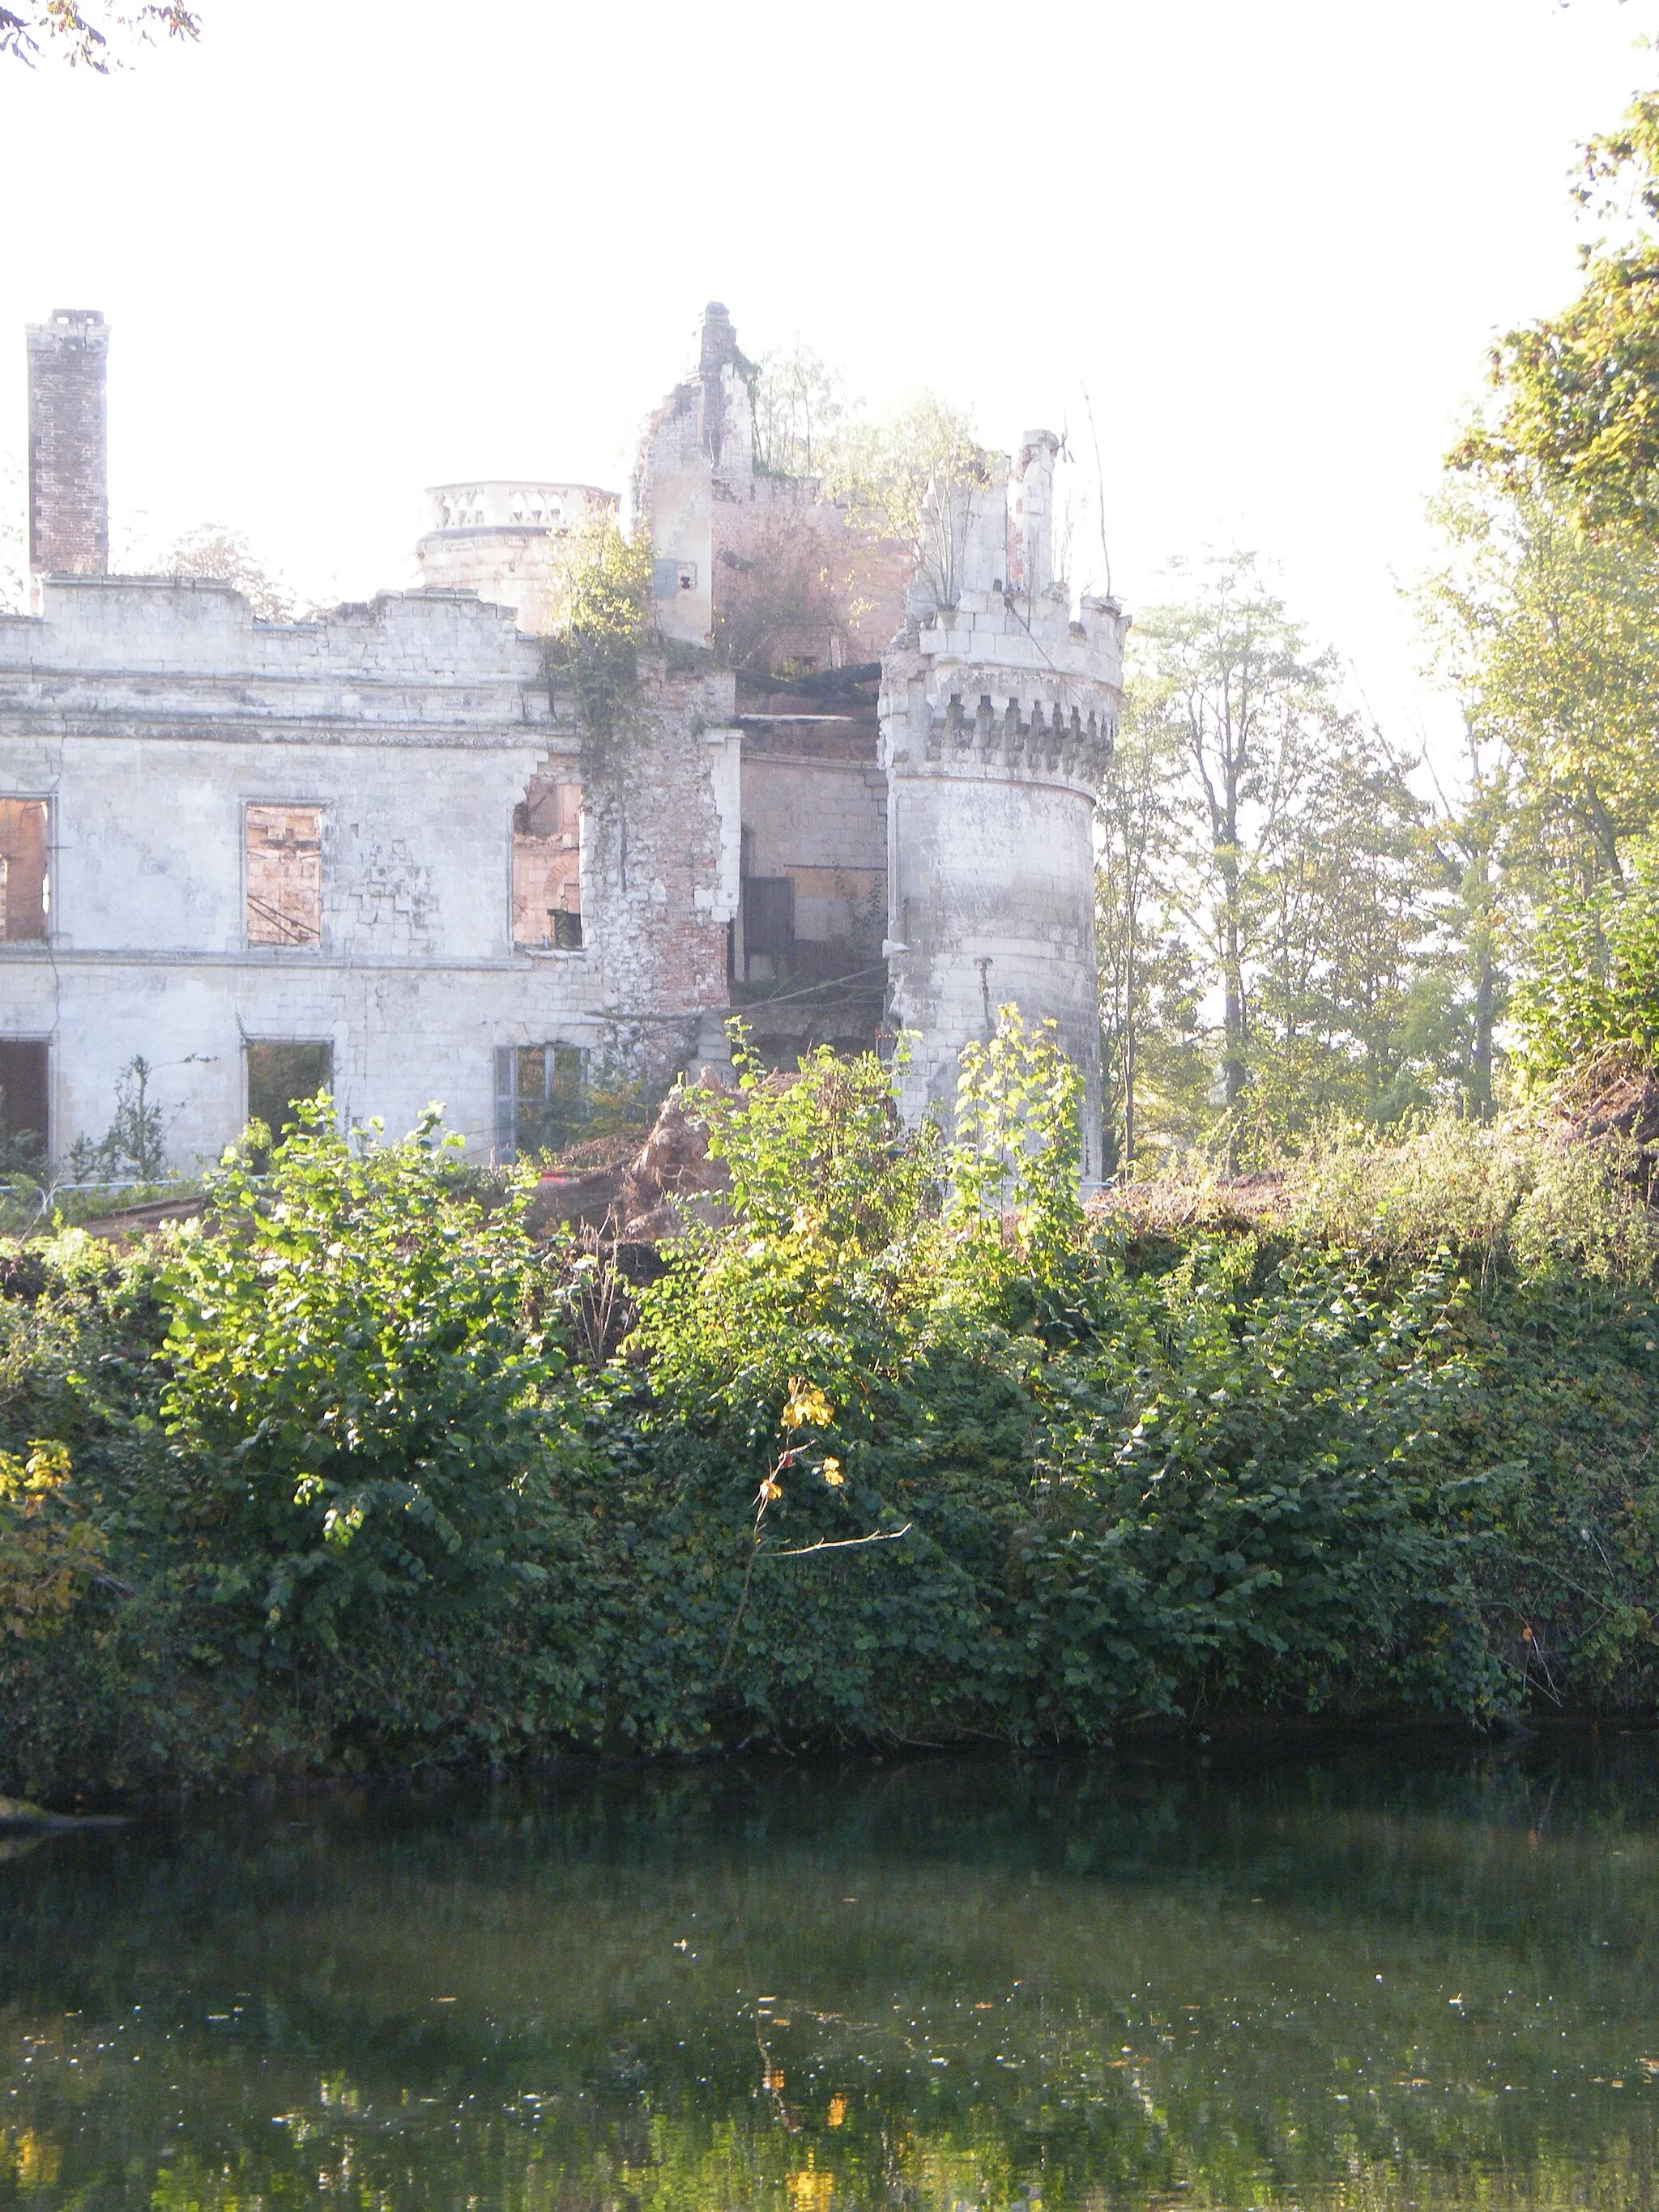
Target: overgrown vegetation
{"x": 605, "y": 616}
{"x": 902, "y": 1448}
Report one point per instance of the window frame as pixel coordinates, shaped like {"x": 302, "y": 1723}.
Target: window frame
{"x": 47, "y": 804}
{"x": 574, "y": 921}
{"x": 250, "y": 1043}
{"x": 511, "y": 1102}
{"x": 44, "y": 1041}
{"x": 250, "y": 944}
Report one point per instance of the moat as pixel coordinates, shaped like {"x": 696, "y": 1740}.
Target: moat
{"x": 1420, "y": 1972}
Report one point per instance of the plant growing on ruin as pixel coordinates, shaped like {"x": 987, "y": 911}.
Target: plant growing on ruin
{"x": 134, "y": 1146}
{"x": 903, "y": 477}
{"x": 608, "y": 616}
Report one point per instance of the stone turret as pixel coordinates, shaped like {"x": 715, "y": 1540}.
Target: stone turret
{"x": 999, "y": 714}
{"x": 507, "y": 540}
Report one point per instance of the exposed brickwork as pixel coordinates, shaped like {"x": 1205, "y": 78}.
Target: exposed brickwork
{"x": 653, "y": 905}
{"x": 69, "y": 473}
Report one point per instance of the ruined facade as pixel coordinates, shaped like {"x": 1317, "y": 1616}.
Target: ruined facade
{"x": 379, "y": 850}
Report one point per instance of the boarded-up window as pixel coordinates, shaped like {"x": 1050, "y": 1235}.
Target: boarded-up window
{"x": 541, "y": 1097}
{"x": 547, "y": 867}
{"x": 24, "y": 893}
{"x": 282, "y": 1072}
{"x": 22, "y": 1099}
{"x": 284, "y": 875}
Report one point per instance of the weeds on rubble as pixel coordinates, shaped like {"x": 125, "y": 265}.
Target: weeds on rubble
{"x": 899, "y": 1448}
{"x": 1520, "y": 1191}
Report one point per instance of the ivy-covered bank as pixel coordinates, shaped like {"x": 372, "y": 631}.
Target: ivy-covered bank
{"x": 354, "y": 1474}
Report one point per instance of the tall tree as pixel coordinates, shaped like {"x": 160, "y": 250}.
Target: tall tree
{"x": 1227, "y": 684}
{"x": 1461, "y": 986}
{"x": 1550, "y": 636}
{"x": 1151, "y": 1030}
{"x": 1343, "y": 912}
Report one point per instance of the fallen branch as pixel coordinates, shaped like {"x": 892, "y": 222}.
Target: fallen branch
{"x": 839, "y": 1544}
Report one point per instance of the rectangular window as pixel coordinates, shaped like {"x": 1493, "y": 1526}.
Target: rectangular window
{"x": 769, "y": 926}
{"x": 23, "y": 1130}
{"x": 541, "y": 1097}
{"x": 25, "y": 889}
{"x": 284, "y": 866}
{"x": 280, "y": 1073}
{"x": 547, "y": 867}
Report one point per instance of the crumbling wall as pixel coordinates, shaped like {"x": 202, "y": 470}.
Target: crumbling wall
{"x": 547, "y": 842}
{"x": 659, "y": 886}
{"x": 761, "y": 566}
{"x": 152, "y": 716}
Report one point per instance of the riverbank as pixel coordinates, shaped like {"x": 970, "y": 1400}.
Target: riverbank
{"x": 889, "y": 1446}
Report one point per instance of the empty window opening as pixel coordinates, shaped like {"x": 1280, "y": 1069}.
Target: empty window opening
{"x": 25, "y": 889}
{"x": 767, "y": 910}
{"x": 541, "y": 1098}
{"x": 23, "y": 1130}
{"x": 284, "y": 875}
{"x": 281, "y": 1075}
{"x": 547, "y": 867}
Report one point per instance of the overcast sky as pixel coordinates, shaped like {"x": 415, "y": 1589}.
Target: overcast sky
{"x": 350, "y": 248}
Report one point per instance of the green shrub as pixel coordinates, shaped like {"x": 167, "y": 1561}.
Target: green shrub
{"x": 899, "y": 1448}
{"x": 1592, "y": 980}
{"x": 354, "y": 1385}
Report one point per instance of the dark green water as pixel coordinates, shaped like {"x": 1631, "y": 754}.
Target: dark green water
{"x": 1408, "y": 1976}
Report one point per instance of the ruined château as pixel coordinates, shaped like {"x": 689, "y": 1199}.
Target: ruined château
{"x": 381, "y": 850}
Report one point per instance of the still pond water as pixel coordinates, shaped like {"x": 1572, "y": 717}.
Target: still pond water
{"x": 1417, "y": 1975}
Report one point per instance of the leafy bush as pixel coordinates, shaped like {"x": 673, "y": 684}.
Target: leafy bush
{"x": 1593, "y": 978}
{"x": 899, "y": 1448}
{"x": 354, "y": 1387}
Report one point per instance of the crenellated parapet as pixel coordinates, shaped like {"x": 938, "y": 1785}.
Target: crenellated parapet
{"x": 980, "y": 718}
{"x": 992, "y": 674}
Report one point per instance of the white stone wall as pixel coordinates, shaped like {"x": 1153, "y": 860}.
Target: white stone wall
{"x": 148, "y": 714}
{"x": 823, "y": 824}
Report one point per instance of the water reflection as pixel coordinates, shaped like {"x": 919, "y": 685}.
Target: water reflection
{"x": 1401, "y": 1978}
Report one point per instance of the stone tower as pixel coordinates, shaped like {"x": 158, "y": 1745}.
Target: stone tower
{"x": 68, "y": 467}
{"x": 999, "y": 714}
{"x": 507, "y": 540}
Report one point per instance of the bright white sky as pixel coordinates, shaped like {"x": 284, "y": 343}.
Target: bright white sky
{"x": 351, "y": 247}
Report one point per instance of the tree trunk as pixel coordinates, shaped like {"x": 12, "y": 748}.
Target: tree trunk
{"x": 1129, "y": 1060}
{"x": 1480, "y": 1053}
{"x": 1233, "y": 1070}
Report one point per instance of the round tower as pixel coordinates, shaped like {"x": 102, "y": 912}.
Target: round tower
{"x": 506, "y": 540}
{"x": 998, "y": 714}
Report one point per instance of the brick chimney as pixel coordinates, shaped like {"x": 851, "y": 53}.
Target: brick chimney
{"x": 69, "y": 462}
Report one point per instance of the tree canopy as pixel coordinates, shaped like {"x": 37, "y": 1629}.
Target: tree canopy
{"x": 1578, "y": 392}
{"x": 89, "y": 34}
